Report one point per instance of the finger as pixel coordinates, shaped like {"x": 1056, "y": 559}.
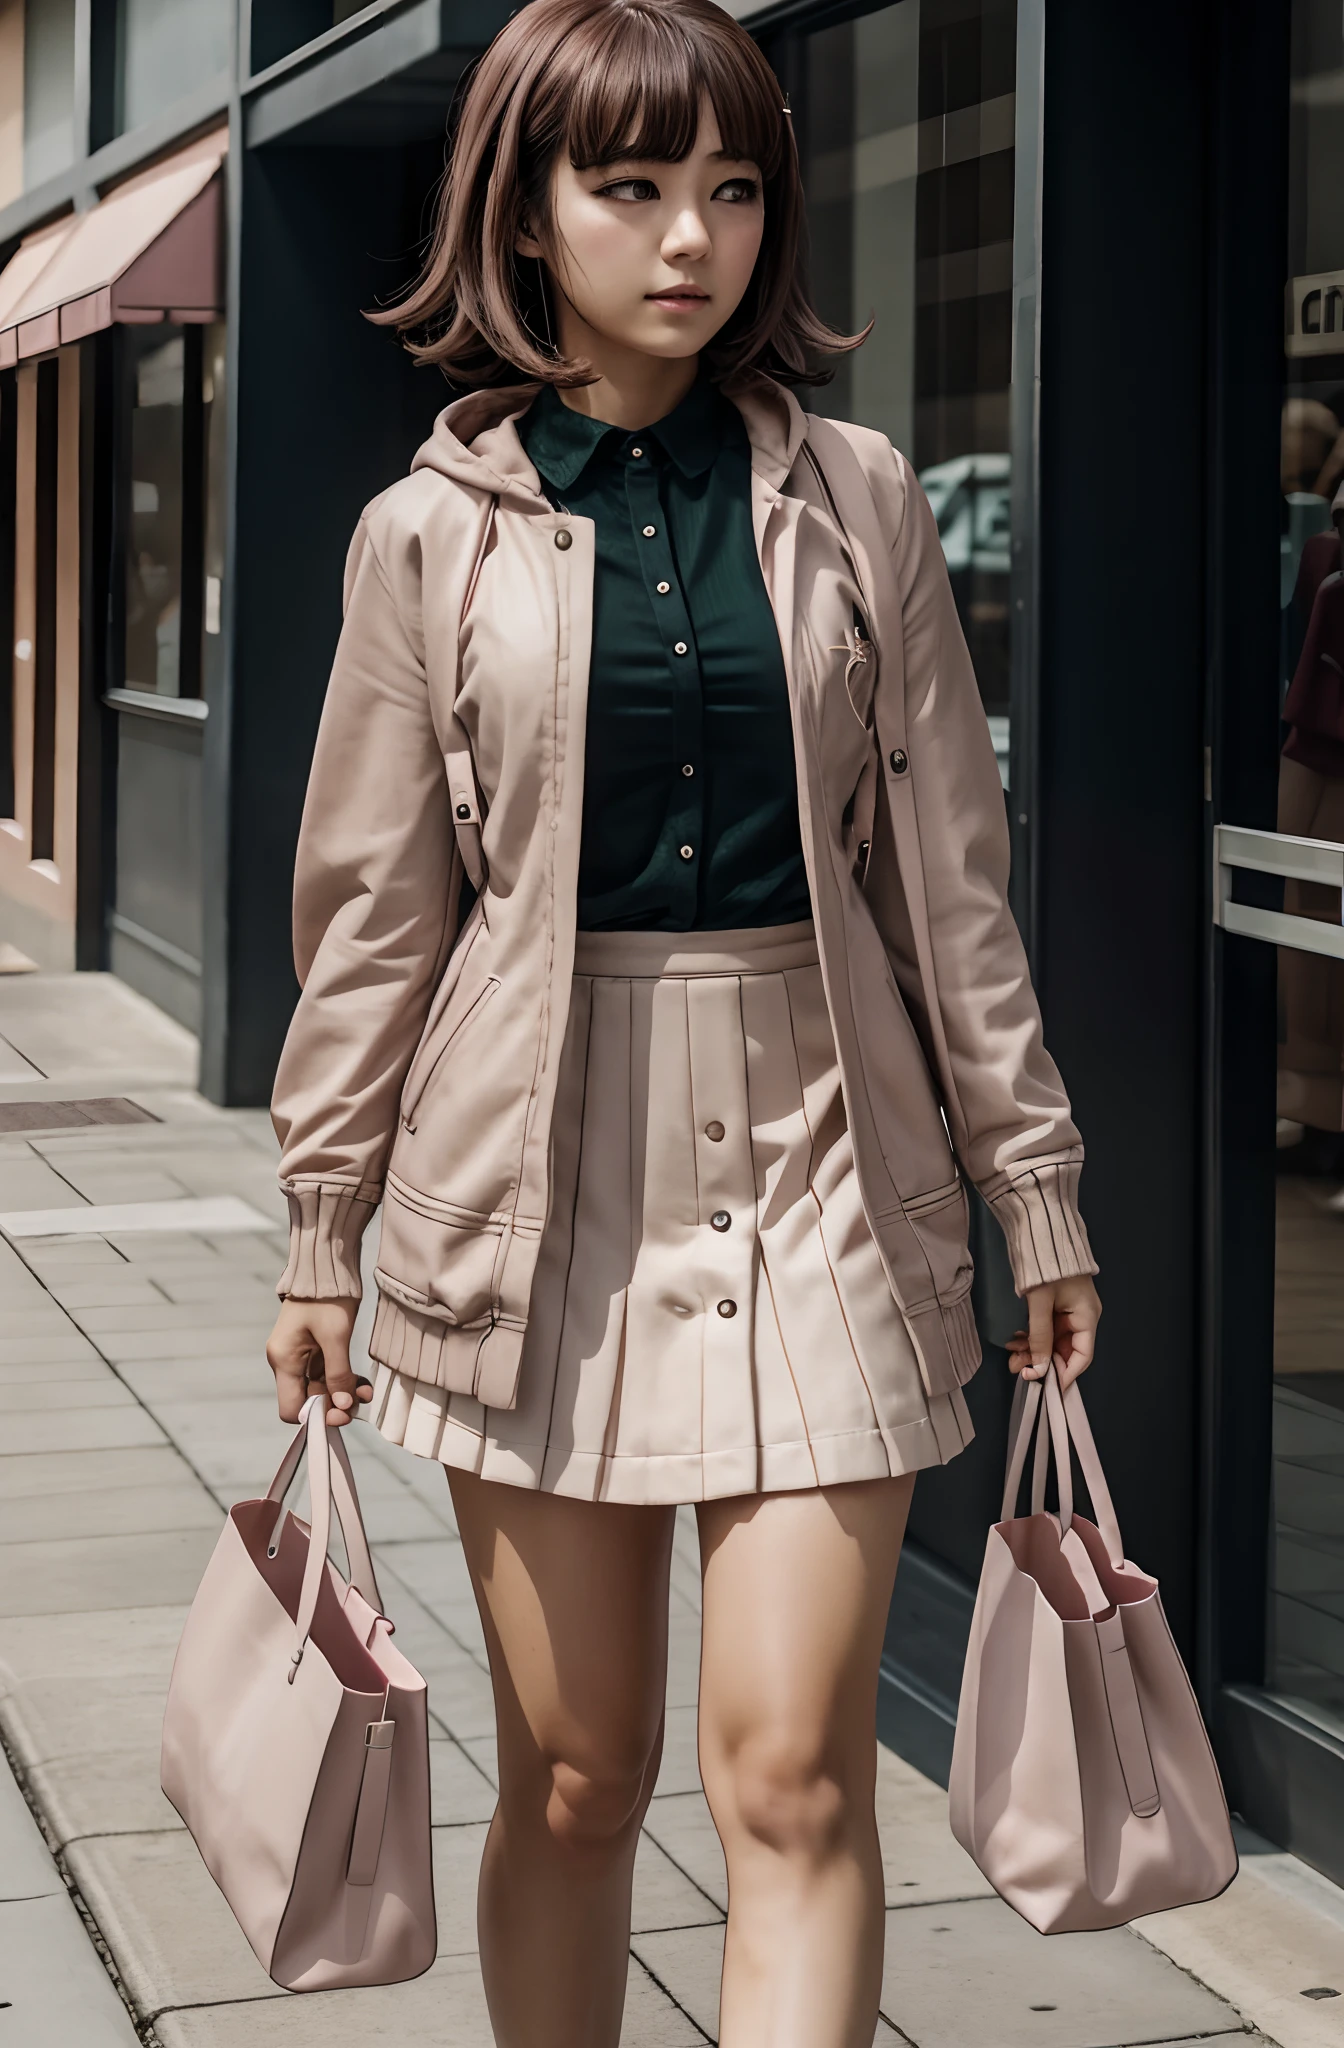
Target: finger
{"x": 340, "y": 1379}
{"x": 290, "y": 1369}
{"x": 1082, "y": 1347}
{"x": 363, "y": 1390}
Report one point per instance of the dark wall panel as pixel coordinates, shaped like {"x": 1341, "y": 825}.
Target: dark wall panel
{"x": 1122, "y": 896}
{"x": 331, "y": 411}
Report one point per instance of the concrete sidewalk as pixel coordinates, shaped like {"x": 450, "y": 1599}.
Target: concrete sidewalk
{"x": 137, "y": 1405}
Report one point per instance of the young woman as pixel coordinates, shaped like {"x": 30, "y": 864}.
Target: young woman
{"x": 651, "y": 922}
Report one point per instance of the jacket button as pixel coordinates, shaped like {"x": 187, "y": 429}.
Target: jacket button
{"x": 564, "y": 538}
{"x": 720, "y": 1220}
{"x": 463, "y": 811}
{"x": 714, "y": 1131}
{"x": 727, "y": 1309}
{"x": 900, "y": 760}
{"x": 686, "y": 852}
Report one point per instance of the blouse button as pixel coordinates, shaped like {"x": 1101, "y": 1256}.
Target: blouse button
{"x": 663, "y": 589}
{"x": 900, "y": 760}
{"x": 727, "y": 1309}
{"x": 687, "y": 852}
{"x": 714, "y": 1131}
{"x": 680, "y": 647}
{"x": 564, "y": 538}
{"x": 649, "y": 532}
{"x": 636, "y": 451}
{"x": 463, "y": 811}
{"x": 720, "y": 1220}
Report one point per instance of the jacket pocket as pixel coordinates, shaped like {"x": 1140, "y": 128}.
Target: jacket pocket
{"x": 437, "y": 1258}
{"x": 456, "y": 1016}
{"x": 941, "y": 1222}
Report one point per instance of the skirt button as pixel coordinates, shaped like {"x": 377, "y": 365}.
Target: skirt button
{"x": 727, "y": 1308}
{"x": 714, "y": 1131}
{"x": 720, "y": 1220}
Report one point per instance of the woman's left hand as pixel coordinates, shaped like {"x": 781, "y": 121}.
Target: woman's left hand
{"x": 1062, "y": 1324}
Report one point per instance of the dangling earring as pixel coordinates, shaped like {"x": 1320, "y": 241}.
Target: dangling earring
{"x": 545, "y": 303}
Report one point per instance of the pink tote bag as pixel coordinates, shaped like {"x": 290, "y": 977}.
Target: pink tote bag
{"x": 296, "y": 1740}
{"x": 1083, "y": 1783}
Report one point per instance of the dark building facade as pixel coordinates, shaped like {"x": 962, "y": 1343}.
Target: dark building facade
{"x": 1105, "y": 253}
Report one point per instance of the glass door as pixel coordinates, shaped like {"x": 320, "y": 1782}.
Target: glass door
{"x": 1279, "y": 895}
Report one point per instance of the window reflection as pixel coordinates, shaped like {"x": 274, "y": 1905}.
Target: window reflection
{"x": 905, "y": 121}
{"x": 154, "y": 558}
{"x": 1306, "y": 1660}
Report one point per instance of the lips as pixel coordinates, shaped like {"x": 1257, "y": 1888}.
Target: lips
{"x": 688, "y": 296}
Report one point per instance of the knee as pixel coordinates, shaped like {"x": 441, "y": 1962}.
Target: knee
{"x": 582, "y": 1799}
{"x": 790, "y": 1796}
{"x": 592, "y": 1806}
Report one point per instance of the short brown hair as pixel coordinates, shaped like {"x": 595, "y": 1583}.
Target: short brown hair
{"x": 606, "y": 80}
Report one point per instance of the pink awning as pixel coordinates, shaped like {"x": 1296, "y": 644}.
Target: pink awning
{"x": 151, "y": 250}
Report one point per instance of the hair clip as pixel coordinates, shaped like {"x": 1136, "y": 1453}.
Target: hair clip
{"x": 787, "y": 108}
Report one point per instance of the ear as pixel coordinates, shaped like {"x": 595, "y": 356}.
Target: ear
{"x": 526, "y": 243}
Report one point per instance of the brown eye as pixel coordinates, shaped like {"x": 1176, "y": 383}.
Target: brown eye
{"x": 738, "y": 191}
{"x": 629, "y": 189}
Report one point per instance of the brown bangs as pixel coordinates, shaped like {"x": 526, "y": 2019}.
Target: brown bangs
{"x": 642, "y": 98}
{"x": 604, "y": 81}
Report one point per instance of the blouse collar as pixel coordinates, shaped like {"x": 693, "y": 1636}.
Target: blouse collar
{"x": 562, "y": 442}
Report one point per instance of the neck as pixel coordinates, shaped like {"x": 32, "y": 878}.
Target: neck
{"x": 632, "y": 389}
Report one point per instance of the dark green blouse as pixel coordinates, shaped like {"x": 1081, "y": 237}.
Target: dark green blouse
{"x": 690, "y": 808}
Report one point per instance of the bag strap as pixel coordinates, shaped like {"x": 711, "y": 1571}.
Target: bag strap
{"x": 313, "y": 1438}
{"x": 1065, "y": 1418}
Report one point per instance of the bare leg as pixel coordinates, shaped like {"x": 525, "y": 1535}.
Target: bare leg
{"x": 573, "y": 1597}
{"x": 797, "y": 1587}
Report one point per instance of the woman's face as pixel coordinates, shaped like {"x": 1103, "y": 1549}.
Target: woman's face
{"x": 653, "y": 257}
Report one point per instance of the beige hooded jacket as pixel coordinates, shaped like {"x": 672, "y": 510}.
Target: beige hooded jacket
{"x": 420, "y": 1066}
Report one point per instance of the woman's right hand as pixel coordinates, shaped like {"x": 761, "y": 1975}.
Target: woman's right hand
{"x": 310, "y": 1348}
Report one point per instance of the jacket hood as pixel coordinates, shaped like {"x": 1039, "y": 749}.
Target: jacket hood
{"x": 475, "y": 440}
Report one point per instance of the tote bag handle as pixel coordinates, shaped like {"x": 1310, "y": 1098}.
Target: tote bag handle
{"x": 314, "y": 1439}
{"x": 1067, "y": 1423}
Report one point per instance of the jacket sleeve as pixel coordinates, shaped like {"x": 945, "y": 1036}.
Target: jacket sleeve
{"x": 1006, "y": 1107}
{"x": 376, "y": 884}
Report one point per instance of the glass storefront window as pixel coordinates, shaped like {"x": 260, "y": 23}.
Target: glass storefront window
{"x": 1306, "y": 1634}
{"x": 165, "y": 49}
{"x": 173, "y": 423}
{"x": 48, "y": 89}
{"x": 905, "y": 125}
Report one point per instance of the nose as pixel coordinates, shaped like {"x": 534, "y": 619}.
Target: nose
{"x": 687, "y": 237}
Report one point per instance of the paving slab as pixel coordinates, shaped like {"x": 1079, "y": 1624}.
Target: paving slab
{"x": 114, "y": 1511}
{"x": 682, "y": 1827}
{"x": 70, "y": 1373}
{"x": 687, "y": 1962}
{"x": 1276, "y": 1932}
{"x": 75, "y": 1429}
{"x": 679, "y": 1770}
{"x": 204, "y": 1339}
{"x": 42, "y": 1396}
{"x": 173, "y": 1938}
{"x": 59, "y": 1347}
{"x": 664, "y": 1897}
{"x": 104, "y": 1792}
{"x": 921, "y": 1860}
{"x": 443, "y": 2009}
{"x": 43, "y": 1319}
{"x": 457, "y": 1865}
{"x": 974, "y": 1971}
{"x": 55, "y": 1472}
{"x": 71, "y": 1575}
{"x": 26, "y": 1868}
{"x": 459, "y": 1791}
{"x": 57, "y": 1993}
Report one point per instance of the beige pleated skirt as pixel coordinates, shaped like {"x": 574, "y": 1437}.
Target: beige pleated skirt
{"x": 710, "y": 1315}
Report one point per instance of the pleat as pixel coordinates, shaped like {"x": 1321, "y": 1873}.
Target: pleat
{"x": 673, "y": 1357}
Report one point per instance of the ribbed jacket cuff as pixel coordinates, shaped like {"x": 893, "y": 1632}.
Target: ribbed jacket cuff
{"x": 325, "y": 1228}
{"x": 1038, "y": 1212}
